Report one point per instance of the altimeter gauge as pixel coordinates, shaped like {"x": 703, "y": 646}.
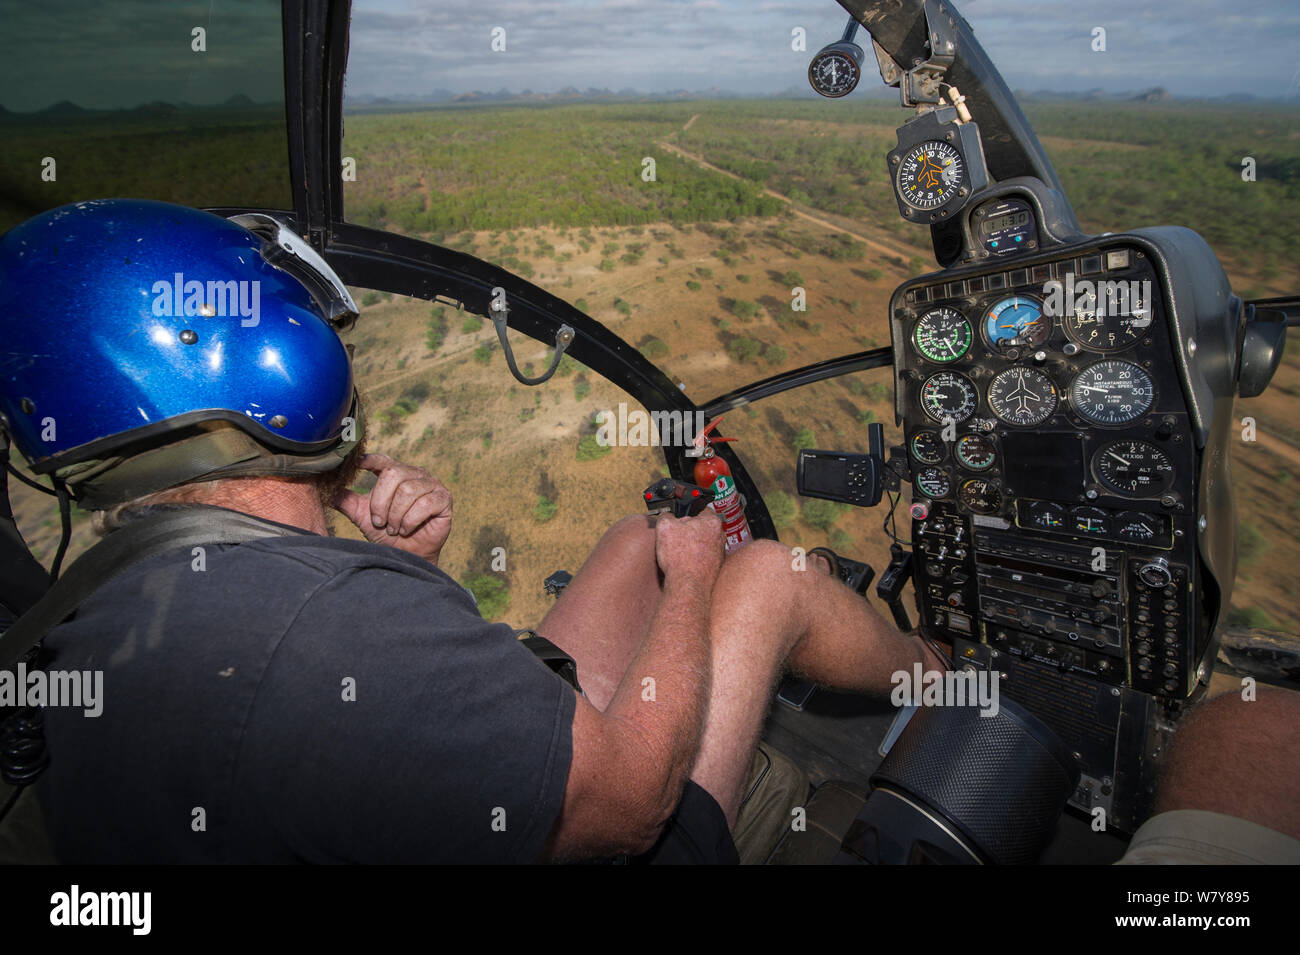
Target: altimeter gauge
{"x": 1134, "y": 468}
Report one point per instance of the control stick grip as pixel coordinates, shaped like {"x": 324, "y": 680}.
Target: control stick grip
{"x": 680, "y": 497}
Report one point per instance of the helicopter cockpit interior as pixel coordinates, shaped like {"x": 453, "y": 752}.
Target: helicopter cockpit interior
{"x": 1024, "y": 452}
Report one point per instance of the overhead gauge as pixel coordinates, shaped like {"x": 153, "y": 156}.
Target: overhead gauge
{"x": 980, "y": 496}
{"x": 1016, "y": 322}
{"x": 927, "y": 447}
{"x": 942, "y": 335}
{"x": 1112, "y": 392}
{"x": 934, "y": 483}
{"x": 930, "y": 175}
{"x": 1043, "y": 516}
{"x": 948, "y": 396}
{"x": 1022, "y": 396}
{"x": 975, "y": 452}
{"x": 834, "y": 73}
{"x": 937, "y": 166}
{"x": 837, "y": 67}
{"x": 1134, "y": 468}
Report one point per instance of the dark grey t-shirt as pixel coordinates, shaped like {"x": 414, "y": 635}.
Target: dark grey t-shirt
{"x": 226, "y": 700}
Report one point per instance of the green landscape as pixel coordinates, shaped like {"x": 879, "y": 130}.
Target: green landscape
{"x": 695, "y": 267}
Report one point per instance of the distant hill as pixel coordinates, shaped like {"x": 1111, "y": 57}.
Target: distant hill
{"x": 62, "y": 108}
{"x": 1157, "y": 95}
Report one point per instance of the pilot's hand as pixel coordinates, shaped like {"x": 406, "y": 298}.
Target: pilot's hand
{"x": 690, "y": 545}
{"x": 407, "y": 508}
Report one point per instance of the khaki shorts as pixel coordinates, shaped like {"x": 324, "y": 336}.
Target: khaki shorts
{"x": 1197, "y": 837}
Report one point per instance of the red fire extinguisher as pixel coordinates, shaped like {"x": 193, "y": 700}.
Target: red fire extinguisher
{"x": 711, "y": 471}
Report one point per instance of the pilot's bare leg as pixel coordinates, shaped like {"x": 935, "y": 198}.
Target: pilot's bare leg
{"x": 603, "y": 616}
{"x": 1240, "y": 758}
{"x": 765, "y": 615}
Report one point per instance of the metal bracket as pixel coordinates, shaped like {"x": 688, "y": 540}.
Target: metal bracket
{"x": 919, "y": 84}
{"x": 500, "y": 314}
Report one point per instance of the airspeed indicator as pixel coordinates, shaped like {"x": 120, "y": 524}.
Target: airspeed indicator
{"x": 942, "y": 335}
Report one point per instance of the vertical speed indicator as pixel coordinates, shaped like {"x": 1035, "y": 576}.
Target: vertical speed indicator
{"x": 942, "y": 335}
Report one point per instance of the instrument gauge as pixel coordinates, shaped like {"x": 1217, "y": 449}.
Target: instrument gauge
{"x": 834, "y": 73}
{"x": 930, "y": 175}
{"x": 1107, "y": 323}
{"x": 975, "y": 452}
{"x": 934, "y": 483}
{"x": 927, "y": 447}
{"x": 1112, "y": 392}
{"x": 980, "y": 496}
{"x": 942, "y": 335}
{"x": 1044, "y": 516}
{"x": 1016, "y": 322}
{"x": 1134, "y": 468}
{"x": 1022, "y": 396}
{"x": 1090, "y": 520}
{"x": 948, "y": 396}
{"x": 1136, "y": 526}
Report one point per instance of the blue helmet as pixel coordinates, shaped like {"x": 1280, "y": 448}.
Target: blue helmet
{"x": 147, "y": 344}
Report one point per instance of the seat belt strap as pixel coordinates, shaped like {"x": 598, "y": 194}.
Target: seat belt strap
{"x": 142, "y": 538}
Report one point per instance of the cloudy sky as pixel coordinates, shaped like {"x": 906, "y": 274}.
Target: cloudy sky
{"x": 1192, "y": 47}
{"x": 128, "y": 52}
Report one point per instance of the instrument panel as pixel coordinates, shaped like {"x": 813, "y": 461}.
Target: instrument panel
{"x": 1051, "y": 460}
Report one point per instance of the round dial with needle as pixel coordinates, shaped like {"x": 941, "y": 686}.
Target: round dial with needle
{"x": 942, "y": 335}
{"x": 1112, "y": 392}
{"x": 1134, "y": 468}
{"x": 834, "y": 73}
{"x": 1022, "y": 396}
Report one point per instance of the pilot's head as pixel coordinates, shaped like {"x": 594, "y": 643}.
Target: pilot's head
{"x": 149, "y": 345}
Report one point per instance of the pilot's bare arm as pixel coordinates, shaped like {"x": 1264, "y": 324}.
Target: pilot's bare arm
{"x": 631, "y": 762}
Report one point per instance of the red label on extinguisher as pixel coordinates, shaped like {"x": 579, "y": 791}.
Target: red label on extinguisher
{"x": 726, "y": 502}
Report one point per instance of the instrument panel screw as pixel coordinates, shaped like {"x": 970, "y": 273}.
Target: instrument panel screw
{"x": 278, "y": 421}
{"x": 188, "y": 336}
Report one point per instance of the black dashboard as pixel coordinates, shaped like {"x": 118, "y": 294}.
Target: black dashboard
{"x": 1054, "y": 474}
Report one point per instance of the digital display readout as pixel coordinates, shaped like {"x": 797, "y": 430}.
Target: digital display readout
{"x": 1006, "y": 222}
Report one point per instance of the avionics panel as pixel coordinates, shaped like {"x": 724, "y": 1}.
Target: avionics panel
{"x": 1052, "y": 464}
